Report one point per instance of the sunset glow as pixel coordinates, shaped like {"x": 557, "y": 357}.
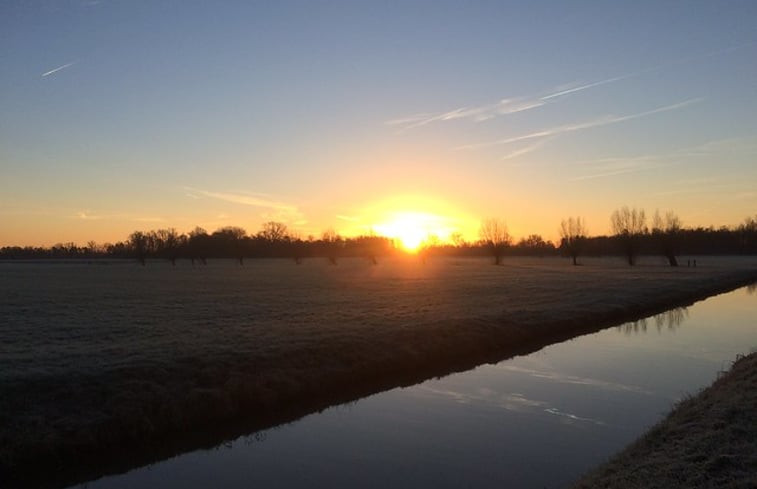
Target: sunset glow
{"x": 247, "y": 122}
{"x": 412, "y": 229}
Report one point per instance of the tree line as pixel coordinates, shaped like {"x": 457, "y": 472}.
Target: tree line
{"x": 632, "y": 237}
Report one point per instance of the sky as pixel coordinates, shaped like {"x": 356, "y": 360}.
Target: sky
{"x": 363, "y": 116}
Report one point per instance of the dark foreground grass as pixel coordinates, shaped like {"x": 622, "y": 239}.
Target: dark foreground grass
{"x": 133, "y": 365}
{"x": 709, "y": 440}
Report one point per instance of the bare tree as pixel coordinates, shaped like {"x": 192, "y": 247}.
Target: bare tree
{"x": 198, "y": 245}
{"x": 457, "y": 239}
{"x": 297, "y": 247}
{"x": 573, "y": 235}
{"x": 748, "y": 235}
{"x": 493, "y": 233}
{"x": 138, "y": 242}
{"x": 233, "y": 238}
{"x": 429, "y": 246}
{"x": 666, "y": 232}
{"x": 167, "y": 243}
{"x": 629, "y": 225}
{"x": 273, "y": 231}
{"x": 332, "y": 243}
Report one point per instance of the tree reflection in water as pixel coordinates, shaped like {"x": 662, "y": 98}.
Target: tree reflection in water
{"x": 671, "y": 320}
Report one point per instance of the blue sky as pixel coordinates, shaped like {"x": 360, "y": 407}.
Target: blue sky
{"x": 121, "y": 115}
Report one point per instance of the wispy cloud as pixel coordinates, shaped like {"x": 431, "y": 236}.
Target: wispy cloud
{"x": 735, "y": 190}
{"x": 578, "y": 126}
{"x": 609, "y": 174}
{"x": 87, "y": 216}
{"x": 478, "y": 114}
{"x": 618, "y": 166}
{"x": 59, "y": 68}
{"x": 242, "y": 199}
{"x": 580, "y": 88}
{"x": 605, "y": 167}
{"x": 525, "y": 150}
{"x": 519, "y": 104}
{"x": 90, "y": 216}
{"x": 503, "y": 107}
{"x": 272, "y": 209}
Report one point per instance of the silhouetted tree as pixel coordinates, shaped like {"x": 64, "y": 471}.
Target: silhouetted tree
{"x": 534, "y": 245}
{"x": 93, "y": 248}
{"x": 297, "y": 247}
{"x": 573, "y": 237}
{"x": 167, "y": 243}
{"x": 332, "y": 245}
{"x": 198, "y": 245}
{"x": 748, "y": 235}
{"x": 138, "y": 242}
{"x": 458, "y": 240}
{"x": 231, "y": 238}
{"x": 273, "y": 232}
{"x": 629, "y": 225}
{"x": 493, "y": 233}
{"x": 666, "y": 233}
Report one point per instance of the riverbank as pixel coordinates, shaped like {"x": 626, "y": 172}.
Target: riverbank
{"x": 708, "y": 440}
{"x": 131, "y": 365}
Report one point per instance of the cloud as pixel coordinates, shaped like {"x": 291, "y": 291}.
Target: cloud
{"x": 606, "y": 174}
{"x": 578, "y": 126}
{"x": 243, "y": 199}
{"x": 525, "y": 150}
{"x": 347, "y": 218}
{"x": 620, "y": 165}
{"x": 478, "y": 114}
{"x": 272, "y": 210}
{"x": 59, "y": 68}
{"x": 736, "y": 190}
{"x": 503, "y": 107}
{"x": 617, "y": 166}
{"x": 580, "y": 88}
{"x": 87, "y": 216}
{"x": 510, "y": 106}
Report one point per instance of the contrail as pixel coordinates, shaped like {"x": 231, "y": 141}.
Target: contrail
{"x": 55, "y": 70}
{"x": 602, "y": 121}
{"x": 589, "y": 85}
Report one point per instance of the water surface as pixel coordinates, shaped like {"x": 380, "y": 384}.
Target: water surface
{"x": 533, "y": 421}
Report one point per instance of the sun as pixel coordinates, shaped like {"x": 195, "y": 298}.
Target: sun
{"x": 413, "y": 221}
{"x": 412, "y": 229}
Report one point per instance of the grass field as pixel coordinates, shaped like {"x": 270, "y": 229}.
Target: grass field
{"x": 709, "y": 440}
{"x": 107, "y": 365}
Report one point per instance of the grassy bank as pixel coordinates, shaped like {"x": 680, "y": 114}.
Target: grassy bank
{"x": 105, "y": 368}
{"x": 709, "y": 440}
